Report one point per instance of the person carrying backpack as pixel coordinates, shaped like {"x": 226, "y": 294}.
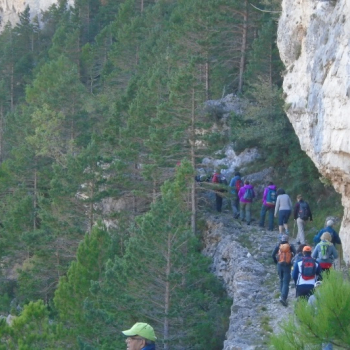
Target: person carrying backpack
{"x": 325, "y": 252}
{"x": 269, "y": 202}
{"x": 282, "y": 255}
{"x": 220, "y": 182}
{"x": 335, "y": 237}
{"x": 305, "y": 273}
{"x": 302, "y": 213}
{"x": 246, "y": 195}
{"x": 236, "y": 184}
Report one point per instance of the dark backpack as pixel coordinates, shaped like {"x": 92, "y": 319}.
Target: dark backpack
{"x": 222, "y": 180}
{"x": 238, "y": 184}
{"x": 248, "y": 194}
{"x": 271, "y": 197}
{"x": 304, "y": 212}
{"x": 308, "y": 268}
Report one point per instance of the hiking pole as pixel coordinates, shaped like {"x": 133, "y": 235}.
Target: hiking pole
{"x": 293, "y": 230}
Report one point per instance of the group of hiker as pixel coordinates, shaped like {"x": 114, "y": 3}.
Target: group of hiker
{"x": 304, "y": 265}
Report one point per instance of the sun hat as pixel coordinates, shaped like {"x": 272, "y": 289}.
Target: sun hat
{"x": 144, "y": 330}
{"x": 307, "y": 248}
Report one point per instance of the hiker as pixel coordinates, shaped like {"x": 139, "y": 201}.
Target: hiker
{"x": 236, "y": 183}
{"x": 313, "y": 299}
{"x": 284, "y": 208}
{"x": 246, "y": 195}
{"x": 282, "y": 256}
{"x": 299, "y": 255}
{"x": 335, "y": 237}
{"x": 302, "y": 213}
{"x": 305, "y": 273}
{"x": 220, "y": 181}
{"x": 325, "y": 252}
{"x": 140, "y": 336}
{"x": 269, "y": 202}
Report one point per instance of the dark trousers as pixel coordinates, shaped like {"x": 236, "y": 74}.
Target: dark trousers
{"x": 304, "y": 290}
{"x": 218, "y": 202}
{"x": 264, "y": 210}
{"x": 284, "y": 274}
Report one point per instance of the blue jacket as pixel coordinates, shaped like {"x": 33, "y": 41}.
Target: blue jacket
{"x": 334, "y": 234}
{"x": 233, "y": 183}
{"x": 333, "y": 254}
{"x": 149, "y": 347}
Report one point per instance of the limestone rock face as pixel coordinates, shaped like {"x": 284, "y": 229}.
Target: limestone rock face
{"x": 9, "y": 9}
{"x": 313, "y": 40}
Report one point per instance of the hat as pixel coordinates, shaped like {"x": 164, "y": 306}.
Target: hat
{"x": 144, "y": 330}
{"x": 318, "y": 283}
{"x": 330, "y": 223}
{"x": 307, "y": 248}
{"x": 285, "y": 238}
{"x": 326, "y": 236}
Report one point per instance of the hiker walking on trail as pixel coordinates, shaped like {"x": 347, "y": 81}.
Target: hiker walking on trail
{"x": 335, "y": 237}
{"x": 236, "y": 184}
{"x": 282, "y": 256}
{"x": 220, "y": 182}
{"x": 284, "y": 208}
{"x": 325, "y": 252}
{"x": 305, "y": 273}
{"x": 302, "y": 213}
{"x": 246, "y": 195}
{"x": 269, "y": 202}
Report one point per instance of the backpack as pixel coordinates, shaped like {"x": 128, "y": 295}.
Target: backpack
{"x": 238, "y": 184}
{"x": 248, "y": 194}
{"x": 308, "y": 268}
{"x": 271, "y": 197}
{"x": 303, "y": 211}
{"x": 324, "y": 250}
{"x": 284, "y": 254}
{"x": 222, "y": 180}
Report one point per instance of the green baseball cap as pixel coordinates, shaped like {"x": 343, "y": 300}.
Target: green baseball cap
{"x": 141, "y": 329}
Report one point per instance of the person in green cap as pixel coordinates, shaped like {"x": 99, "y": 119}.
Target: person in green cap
{"x": 140, "y": 336}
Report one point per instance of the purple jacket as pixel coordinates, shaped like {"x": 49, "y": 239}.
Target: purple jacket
{"x": 242, "y": 191}
{"x": 272, "y": 187}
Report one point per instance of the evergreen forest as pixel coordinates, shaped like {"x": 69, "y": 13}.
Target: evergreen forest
{"x": 100, "y": 108}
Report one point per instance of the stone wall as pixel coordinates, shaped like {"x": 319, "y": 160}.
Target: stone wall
{"x": 313, "y": 40}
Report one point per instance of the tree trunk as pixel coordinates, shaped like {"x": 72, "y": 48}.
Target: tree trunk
{"x": 193, "y": 161}
{"x": 243, "y": 46}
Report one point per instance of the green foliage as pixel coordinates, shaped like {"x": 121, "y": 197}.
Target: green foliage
{"x": 326, "y": 322}
{"x": 29, "y": 331}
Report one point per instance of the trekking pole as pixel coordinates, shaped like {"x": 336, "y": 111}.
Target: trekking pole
{"x": 293, "y": 229}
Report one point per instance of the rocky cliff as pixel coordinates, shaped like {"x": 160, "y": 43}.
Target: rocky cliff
{"x": 9, "y": 9}
{"x": 313, "y": 40}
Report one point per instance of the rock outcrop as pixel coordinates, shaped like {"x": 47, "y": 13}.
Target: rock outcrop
{"x": 10, "y": 9}
{"x": 241, "y": 256}
{"x": 313, "y": 40}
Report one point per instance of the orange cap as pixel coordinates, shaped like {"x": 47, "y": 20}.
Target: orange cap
{"x": 307, "y": 249}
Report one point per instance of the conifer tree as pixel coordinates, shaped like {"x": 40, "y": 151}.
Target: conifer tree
{"x": 328, "y": 321}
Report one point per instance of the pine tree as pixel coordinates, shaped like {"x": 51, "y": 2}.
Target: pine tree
{"x": 328, "y": 321}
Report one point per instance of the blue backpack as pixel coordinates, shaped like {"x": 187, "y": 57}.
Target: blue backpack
{"x": 248, "y": 194}
{"x": 271, "y": 197}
